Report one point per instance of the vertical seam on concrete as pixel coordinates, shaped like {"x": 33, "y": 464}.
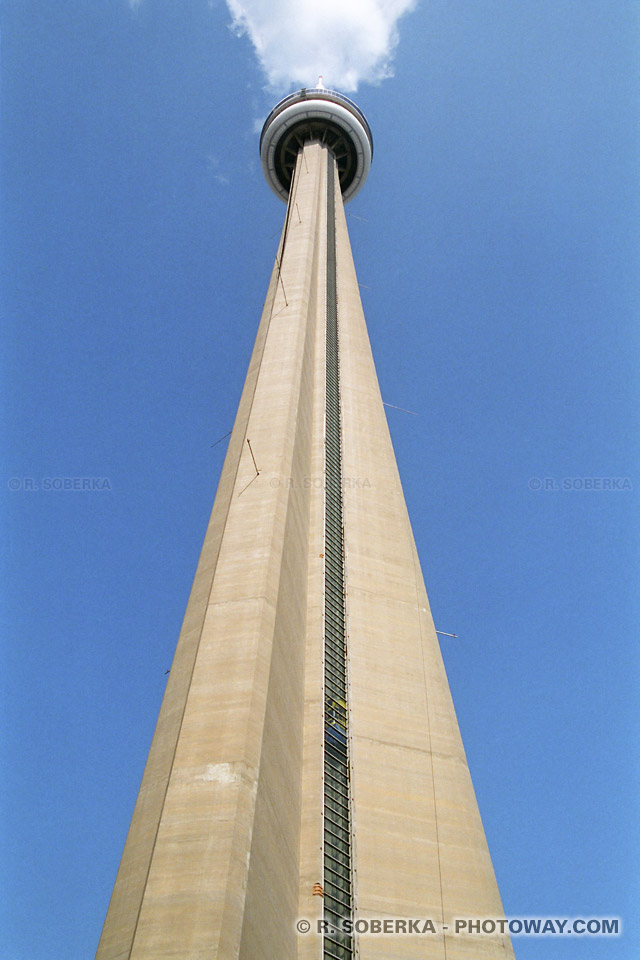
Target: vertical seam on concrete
{"x": 426, "y": 698}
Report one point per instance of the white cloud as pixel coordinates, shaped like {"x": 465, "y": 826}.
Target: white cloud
{"x": 213, "y": 164}
{"x": 347, "y": 41}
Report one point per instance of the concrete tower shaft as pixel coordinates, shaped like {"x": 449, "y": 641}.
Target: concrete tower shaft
{"x": 307, "y": 761}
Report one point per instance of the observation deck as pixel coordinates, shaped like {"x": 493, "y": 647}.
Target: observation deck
{"x": 315, "y": 113}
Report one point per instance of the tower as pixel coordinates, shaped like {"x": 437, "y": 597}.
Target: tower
{"x": 307, "y": 763}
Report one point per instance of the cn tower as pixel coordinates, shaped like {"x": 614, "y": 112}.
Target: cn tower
{"x": 307, "y": 778}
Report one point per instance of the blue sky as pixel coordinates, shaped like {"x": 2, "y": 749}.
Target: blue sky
{"x": 496, "y": 242}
